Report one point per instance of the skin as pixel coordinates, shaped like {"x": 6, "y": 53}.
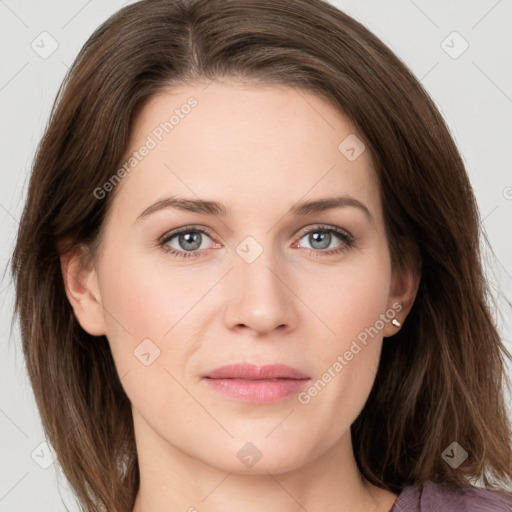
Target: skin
{"x": 258, "y": 150}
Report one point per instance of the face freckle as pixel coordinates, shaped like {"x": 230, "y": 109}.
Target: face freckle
{"x": 263, "y": 196}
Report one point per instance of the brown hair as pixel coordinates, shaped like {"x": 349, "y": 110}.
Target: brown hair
{"x": 440, "y": 378}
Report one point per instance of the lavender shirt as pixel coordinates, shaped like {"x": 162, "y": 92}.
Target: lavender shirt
{"x": 435, "y": 498}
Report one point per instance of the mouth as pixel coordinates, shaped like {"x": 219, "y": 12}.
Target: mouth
{"x": 256, "y": 384}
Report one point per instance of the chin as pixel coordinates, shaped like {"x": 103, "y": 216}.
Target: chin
{"x": 259, "y": 457}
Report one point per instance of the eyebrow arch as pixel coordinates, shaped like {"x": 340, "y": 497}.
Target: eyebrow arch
{"x": 214, "y": 208}
{"x": 189, "y": 205}
{"x": 320, "y": 205}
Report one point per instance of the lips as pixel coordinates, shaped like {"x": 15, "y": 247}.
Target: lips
{"x": 247, "y": 371}
{"x": 256, "y": 384}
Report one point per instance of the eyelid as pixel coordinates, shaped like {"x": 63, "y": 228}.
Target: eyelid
{"x": 327, "y": 227}
{"x": 184, "y": 229}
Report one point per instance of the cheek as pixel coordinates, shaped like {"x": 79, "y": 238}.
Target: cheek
{"x": 141, "y": 306}
{"x": 141, "y": 299}
{"x": 348, "y": 354}
{"x": 349, "y": 301}
{"x": 351, "y": 350}
{"x": 137, "y": 307}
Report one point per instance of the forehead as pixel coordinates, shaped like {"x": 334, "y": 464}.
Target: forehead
{"x": 244, "y": 145}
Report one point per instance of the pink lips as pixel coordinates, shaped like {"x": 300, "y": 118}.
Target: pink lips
{"x": 257, "y": 384}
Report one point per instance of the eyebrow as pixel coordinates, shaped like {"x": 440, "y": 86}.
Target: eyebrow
{"x": 302, "y": 208}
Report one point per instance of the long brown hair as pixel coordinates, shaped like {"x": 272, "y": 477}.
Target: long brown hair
{"x": 440, "y": 379}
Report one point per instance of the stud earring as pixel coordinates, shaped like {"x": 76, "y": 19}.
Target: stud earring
{"x": 396, "y": 323}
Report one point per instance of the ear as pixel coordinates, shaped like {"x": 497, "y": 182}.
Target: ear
{"x": 404, "y": 286}
{"x": 82, "y": 290}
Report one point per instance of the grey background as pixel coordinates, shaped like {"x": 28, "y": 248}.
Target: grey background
{"x": 472, "y": 91}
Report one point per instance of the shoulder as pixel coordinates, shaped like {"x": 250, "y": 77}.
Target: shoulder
{"x": 436, "y": 498}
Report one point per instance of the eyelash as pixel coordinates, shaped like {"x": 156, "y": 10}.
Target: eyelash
{"x": 347, "y": 239}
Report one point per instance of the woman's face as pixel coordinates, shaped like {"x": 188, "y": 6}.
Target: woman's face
{"x": 259, "y": 278}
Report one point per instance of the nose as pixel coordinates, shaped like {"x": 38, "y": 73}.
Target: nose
{"x": 259, "y": 296}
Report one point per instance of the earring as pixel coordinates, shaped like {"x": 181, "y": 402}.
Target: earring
{"x": 396, "y": 323}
